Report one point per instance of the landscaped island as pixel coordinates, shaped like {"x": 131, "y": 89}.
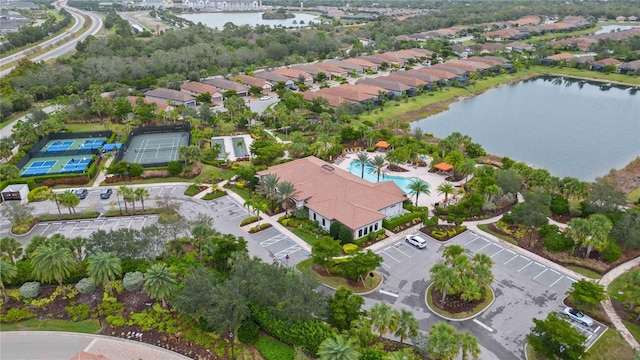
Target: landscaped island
{"x": 281, "y": 13}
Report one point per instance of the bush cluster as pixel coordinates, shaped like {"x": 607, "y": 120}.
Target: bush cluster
{"x": 192, "y": 190}
{"x": 248, "y": 332}
{"x": 132, "y": 281}
{"x": 41, "y": 193}
{"x": 449, "y": 233}
{"x": 214, "y": 195}
{"x": 396, "y": 223}
{"x": 78, "y": 312}
{"x": 86, "y": 286}
{"x": 249, "y": 220}
{"x": 30, "y": 290}
{"x": 259, "y": 228}
{"x": 16, "y": 315}
{"x": 371, "y": 237}
{"x": 272, "y": 349}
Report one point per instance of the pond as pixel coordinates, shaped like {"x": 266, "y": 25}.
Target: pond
{"x": 611, "y": 28}
{"x": 569, "y": 127}
{"x": 218, "y": 19}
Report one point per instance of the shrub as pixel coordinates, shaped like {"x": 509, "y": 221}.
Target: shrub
{"x": 24, "y": 273}
{"x": 41, "y": 193}
{"x": 612, "y": 252}
{"x": 191, "y": 190}
{"x": 16, "y": 315}
{"x": 248, "y": 332}
{"x": 430, "y": 222}
{"x": 350, "y": 249}
{"x": 438, "y": 234}
{"x": 250, "y": 220}
{"x": 79, "y": 312}
{"x": 401, "y": 220}
{"x": 334, "y": 229}
{"x": 86, "y": 286}
{"x": 274, "y": 350}
{"x": 345, "y": 235}
{"x": 132, "y": 281}
{"x": 559, "y": 205}
{"x": 30, "y": 290}
{"x": 110, "y": 306}
{"x": 131, "y": 265}
{"x": 174, "y": 167}
{"x": 259, "y": 228}
{"x": 556, "y": 242}
{"x": 214, "y": 195}
{"x": 115, "y": 320}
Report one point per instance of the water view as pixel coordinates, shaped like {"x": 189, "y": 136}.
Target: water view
{"x": 402, "y": 182}
{"x": 218, "y": 19}
{"x": 610, "y": 28}
{"x": 569, "y": 127}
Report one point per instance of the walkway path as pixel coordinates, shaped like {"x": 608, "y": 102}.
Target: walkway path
{"x": 54, "y": 345}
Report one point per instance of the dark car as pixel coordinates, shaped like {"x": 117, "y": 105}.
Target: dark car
{"x": 81, "y": 193}
{"x": 106, "y": 193}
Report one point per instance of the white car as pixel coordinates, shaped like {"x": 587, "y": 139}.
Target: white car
{"x": 266, "y": 97}
{"x": 578, "y": 316}
{"x": 416, "y": 241}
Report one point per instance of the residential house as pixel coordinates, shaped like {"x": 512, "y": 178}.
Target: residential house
{"x": 333, "y": 100}
{"x": 175, "y": 96}
{"x": 394, "y": 88}
{"x": 519, "y": 47}
{"x": 295, "y": 74}
{"x": 331, "y": 194}
{"x": 247, "y": 80}
{"x": 227, "y": 85}
{"x": 409, "y": 81}
{"x": 353, "y": 68}
{"x": 430, "y": 79}
{"x": 392, "y": 59}
{"x": 630, "y": 67}
{"x": 601, "y": 64}
{"x": 554, "y": 59}
{"x": 274, "y": 78}
{"x": 331, "y": 70}
{"x": 364, "y": 63}
{"x": 160, "y": 104}
{"x": 195, "y": 88}
{"x": 450, "y": 68}
{"x": 445, "y": 76}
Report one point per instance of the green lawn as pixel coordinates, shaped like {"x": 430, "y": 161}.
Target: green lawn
{"x": 610, "y": 346}
{"x": 615, "y": 288}
{"x": 584, "y": 271}
{"x": 633, "y": 328}
{"x": 308, "y": 238}
{"x": 85, "y": 127}
{"x": 211, "y": 172}
{"x": 87, "y": 326}
{"x": 244, "y": 193}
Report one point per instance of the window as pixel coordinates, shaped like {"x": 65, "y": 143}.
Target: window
{"x": 314, "y": 216}
{"x": 323, "y": 222}
{"x": 360, "y": 233}
{"x": 376, "y": 227}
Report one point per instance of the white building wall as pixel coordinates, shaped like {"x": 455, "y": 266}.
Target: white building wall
{"x": 323, "y": 222}
{"x": 392, "y": 211}
{"x": 366, "y": 230}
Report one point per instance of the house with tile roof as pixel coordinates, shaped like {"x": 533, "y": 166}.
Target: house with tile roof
{"x": 364, "y": 63}
{"x": 175, "y": 96}
{"x": 227, "y": 85}
{"x": 195, "y": 88}
{"x": 332, "y": 194}
{"x": 295, "y": 74}
{"x": 248, "y": 80}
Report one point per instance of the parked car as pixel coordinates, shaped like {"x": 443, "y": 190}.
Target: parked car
{"x": 266, "y": 97}
{"x": 416, "y": 241}
{"x": 81, "y": 193}
{"x": 578, "y": 316}
{"x": 106, "y": 193}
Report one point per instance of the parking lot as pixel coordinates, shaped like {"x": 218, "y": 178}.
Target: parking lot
{"x": 84, "y": 228}
{"x": 524, "y": 289}
{"x": 280, "y": 246}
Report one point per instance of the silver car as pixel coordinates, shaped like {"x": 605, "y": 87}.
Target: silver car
{"x": 416, "y": 241}
{"x": 577, "y": 316}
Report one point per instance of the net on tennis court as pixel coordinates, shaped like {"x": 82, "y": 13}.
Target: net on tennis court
{"x": 156, "y": 149}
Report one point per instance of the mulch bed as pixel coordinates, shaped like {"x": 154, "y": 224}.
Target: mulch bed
{"x": 453, "y": 304}
{"x": 427, "y": 231}
{"x": 323, "y": 272}
{"x": 396, "y": 168}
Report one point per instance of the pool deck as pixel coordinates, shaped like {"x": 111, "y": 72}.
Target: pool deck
{"x": 423, "y": 173}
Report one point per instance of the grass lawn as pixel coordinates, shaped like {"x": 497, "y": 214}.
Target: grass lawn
{"x": 85, "y": 127}
{"x": 87, "y": 326}
{"x": 212, "y": 172}
{"x": 610, "y": 346}
{"x": 584, "y": 271}
{"x": 338, "y": 282}
{"x": 244, "y": 193}
{"x": 633, "y": 328}
{"x": 482, "y": 306}
{"x": 615, "y": 288}
{"x": 308, "y": 238}
{"x": 634, "y": 195}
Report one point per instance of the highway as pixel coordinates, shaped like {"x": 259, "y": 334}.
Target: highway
{"x": 57, "y": 51}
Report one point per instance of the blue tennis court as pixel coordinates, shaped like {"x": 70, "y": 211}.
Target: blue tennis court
{"x": 92, "y": 144}
{"x": 60, "y": 145}
{"x": 75, "y": 165}
{"x": 39, "y": 168}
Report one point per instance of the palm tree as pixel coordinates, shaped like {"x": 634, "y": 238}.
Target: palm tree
{"x": 417, "y": 187}
{"x": 104, "y": 267}
{"x": 52, "y": 262}
{"x": 444, "y": 279}
{"x": 469, "y": 345}
{"x": 7, "y": 272}
{"x": 141, "y": 194}
{"x": 363, "y": 160}
{"x": 160, "y": 283}
{"x": 122, "y": 190}
{"x": 377, "y": 165}
{"x": 383, "y": 319}
{"x": 11, "y": 248}
{"x": 268, "y": 187}
{"x": 466, "y": 168}
{"x": 408, "y": 325}
{"x": 443, "y": 341}
{"x": 337, "y": 348}
{"x": 447, "y": 189}
{"x": 55, "y": 197}
{"x": 286, "y": 190}
{"x": 70, "y": 201}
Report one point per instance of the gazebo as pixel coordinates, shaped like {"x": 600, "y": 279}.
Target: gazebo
{"x": 382, "y": 145}
{"x": 443, "y": 166}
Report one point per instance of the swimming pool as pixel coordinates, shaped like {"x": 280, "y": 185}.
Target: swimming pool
{"x": 402, "y": 182}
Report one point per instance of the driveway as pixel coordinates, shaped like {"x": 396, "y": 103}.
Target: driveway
{"x": 524, "y": 289}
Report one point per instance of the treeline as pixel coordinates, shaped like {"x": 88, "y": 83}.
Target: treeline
{"x": 32, "y": 34}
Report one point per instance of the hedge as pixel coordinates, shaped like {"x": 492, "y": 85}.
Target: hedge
{"x": 147, "y": 211}
{"x": 370, "y": 237}
{"x": 260, "y": 227}
{"x": 272, "y": 349}
{"x": 41, "y": 193}
{"x": 307, "y": 334}
{"x": 401, "y": 220}
{"x": 214, "y": 195}
{"x": 63, "y": 216}
{"x": 449, "y": 233}
{"x": 249, "y": 220}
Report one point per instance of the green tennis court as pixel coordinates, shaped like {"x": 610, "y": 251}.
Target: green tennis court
{"x": 145, "y": 149}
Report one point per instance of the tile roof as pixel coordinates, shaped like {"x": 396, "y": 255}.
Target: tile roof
{"x": 169, "y": 94}
{"x": 382, "y": 82}
{"x": 293, "y": 74}
{"x": 442, "y": 74}
{"x": 273, "y": 77}
{"x": 251, "y": 80}
{"x": 199, "y": 88}
{"x": 337, "y": 194}
{"x": 225, "y": 84}
{"x": 363, "y": 62}
{"x": 407, "y": 80}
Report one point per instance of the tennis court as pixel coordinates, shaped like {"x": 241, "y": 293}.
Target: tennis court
{"x": 61, "y": 165}
{"x": 155, "y": 148}
{"x": 62, "y": 146}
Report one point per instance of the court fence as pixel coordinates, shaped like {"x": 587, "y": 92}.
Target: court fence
{"x": 37, "y": 150}
{"x": 181, "y": 127}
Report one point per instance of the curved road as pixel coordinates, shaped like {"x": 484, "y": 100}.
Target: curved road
{"x": 78, "y": 15}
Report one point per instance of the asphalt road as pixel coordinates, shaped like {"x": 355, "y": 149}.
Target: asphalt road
{"x": 57, "y": 51}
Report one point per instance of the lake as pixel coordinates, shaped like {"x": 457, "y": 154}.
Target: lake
{"x": 609, "y": 28}
{"x": 569, "y": 127}
{"x": 218, "y": 19}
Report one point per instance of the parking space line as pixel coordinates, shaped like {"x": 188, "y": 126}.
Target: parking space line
{"x": 174, "y": 190}
{"x": 555, "y": 282}
{"x": 116, "y": 225}
{"x": 239, "y": 216}
{"x": 483, "y": 325}
{"x": 103, "y": 224}
{"x": 130, "y": 222}
{"x": 160, "y": 192}
{"x": 74, "y": 227}
{"x": 474, "y": 239}
{"x": 272, "y": 240}
{"x": 543, "y": 271}
{"x": 524, "y": 267}
{"x": 143, "y": 221}
{"x": 45, "y": 229}
{"x": 382, "y": 263}
{"x": 477, "y": 251}
{"x": 388, "y": 293}
{"x": 398, "y": 250}
{"x": 508, "y": 261}
{"x": 287, "y": 251}
{"x": 225, "y": 208}
{"x": 501, "y": 250}
{"x": 386, "y": 253}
